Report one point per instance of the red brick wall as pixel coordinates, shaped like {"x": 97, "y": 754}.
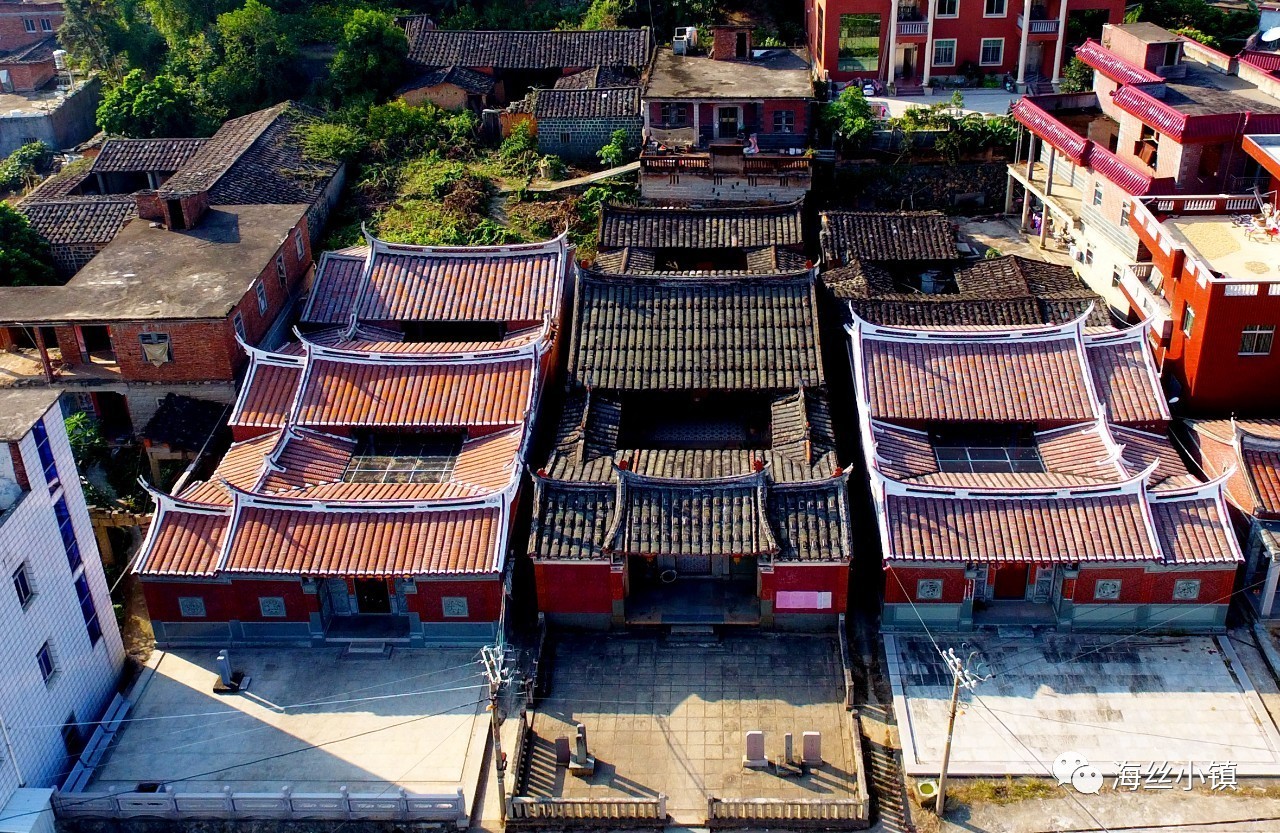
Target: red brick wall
{"x": 724, "y": 43}
{"x": 68, "y": 344}
{"x": 575, "y": 588}
{"x": 484, "y": 600}
{"x": 224, "y": 602}
{"x": 19, "y": 468}
{"x": 898, "y": 578}
{"x": 28, "y": 77}
{"x": 1140, "y": 587}
{"x": 833, "y": 579}
{"x": 13, "y": 32}
{"x": 200, "y": 351}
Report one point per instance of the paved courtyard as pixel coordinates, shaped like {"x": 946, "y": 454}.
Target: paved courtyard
{"x": 311, "y": 719}
{"x": 1140, "y": 700}
{"x": 670, "y": 717}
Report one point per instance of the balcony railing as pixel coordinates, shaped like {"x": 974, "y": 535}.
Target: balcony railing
{"x": 701, "y": 163}
{"x": 1205, "y": 204}
{"x": 906, "y": 28}
{"x": 1136, "y": 283}
{"x": 1041, "y": 27}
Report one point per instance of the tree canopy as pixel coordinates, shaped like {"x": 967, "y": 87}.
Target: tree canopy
{"x": 162, "y": 107}
{"x": 24, "y": 254}
{"x": 371, "y": 56}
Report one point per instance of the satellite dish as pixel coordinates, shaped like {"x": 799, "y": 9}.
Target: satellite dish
{"x": 1271, "y": 35}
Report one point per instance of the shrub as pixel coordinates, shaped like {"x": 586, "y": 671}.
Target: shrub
{"x": 616, "y": 152}
{"x": 519, "y": 151}
{"x": 328, "y": 142}
{"x": 24, "y": 164}
{"x": 1077, "y": 77}
{"x": 849, "y": 119}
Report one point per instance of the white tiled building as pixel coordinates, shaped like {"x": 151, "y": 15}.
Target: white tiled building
{"x": 61, "y": 650}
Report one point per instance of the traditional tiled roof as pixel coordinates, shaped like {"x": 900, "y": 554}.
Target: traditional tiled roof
{"x": 1141, "y": 449}
{"x": 691, "y": 228}
{"x": 685, "y": 333}
{"x": 1034, "y": 375}
{"x": 80, "y": 220}
{"x": 571, "y": 520}
{"x": 462, "y": 77}
{"x": 343, "y": 387}
{"x": 1247, "y": 452}
{"x": 141, "y": 155}
{"x": 268, "y": 390}
{"x": 36, "y": 53}
{"x": 184, "y": 539}
{"x": 1193, "y": 528}
{"x": 886, "y": 235}
{"x": 1126, "y": 379}
{"x": 591, "y": 103}
{"x": 560, "y": 49}
{"x": 256, "y": 159}
{"x": 1008, "y": 290}
{"x": 518, "y": 284}
{"x": 811, "y": 521}
{"x": 601, "y": 76}
{"x": 681, "y": 517}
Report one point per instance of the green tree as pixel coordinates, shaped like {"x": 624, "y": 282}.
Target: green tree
{"x": 616, "y": 152}
{"x": 1196, "y": 35}
{"x": 111, "y": 35}
{"x": 164, "y": 106}
{"x": 849, "y": 119}
{"x": 605, "y": 14}
{"x": 24, "y": 254}
{"x": 1077, "y": 77}
{"x": 24, "y": 165}
{"x": 371, "y": 56}
{"x": 258, "y": 59}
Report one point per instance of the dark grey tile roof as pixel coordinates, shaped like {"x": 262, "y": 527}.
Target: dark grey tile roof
{"x": 571, "y": 519}
{"x": 811, "y": 520}
{"x": 598, "y": 77}
{"x": 185, "y": 423}
{"x": 526, "y": 50}
{"x": 142, "y": 155}
{"x": 36, "y": 53}
{"x": 255, "y": 160}
{"x": 1008, "y": 290}
{"x": 80, "y": 220}
{"x": 708, "y": 517}
{"x": 650, "y": 227}
{"x": 634, "y": 333}
{"x": 462, "y": 77}
{"x": 60, "y": 185}
{"x": 591, "y": 103}
{"x": 886, "y": 235}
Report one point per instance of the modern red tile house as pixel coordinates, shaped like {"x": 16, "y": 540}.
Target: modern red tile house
{"x": 694, "y": 476}
{"x": 1168, "y": 117}
{"x": 174, "y": 249}
{"x": 912, "y": 42}
{"x": 1024, "y": 475}
{"x": 373, "y": 487}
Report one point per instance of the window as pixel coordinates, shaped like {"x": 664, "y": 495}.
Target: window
{"x": 1273, "y": 289}
{"x": 28, "y": 24}
{"x": 784, "y": 121}
{"x": 299, "y": 246}
{"x": 949, "y": 8}
{"x": 88, "y": 610}
{"x": 46, "y": 25}
{"x": 68, "y": 532}
{"x": 1188, "y": 320}
{"x": 995, "y": 8}
{"x": 1124, "y": 214}
{"x": 566, "y": 138}
{"x": 1106, "y": 589}
{"x": 928, "y": 589}
{"x": 1239, "y": 290}
{"x": 992, "y": 52}
{"x": 45, "y": 450}
{"x": 192, "y": 607}
{"x": 1088, "y": 255}
{"x": 454, "y": 607}
{"x": 822, "y": 31}
{"x": 271, "y": 607}
{"x": 1097, "y": 193}
{"x": 260, "y": 290}
{"x": 44, "y": 658}
{"x": 1256, "y": 340}
{"x": 1115, "y": 275}
{"x": 156, "y": 348}
{"x": 1186, "y": 589}
{"x": 1008, "y": 449}
{"x": 22, "y": 585}
{"x": 859, "y": 43}
{"x": 389, "y": 458}
{"x": 281, "y": 272}
{"x": 944, "y": 52}
{"x": 674, "y": 115}
{"x": 237, "y": 321}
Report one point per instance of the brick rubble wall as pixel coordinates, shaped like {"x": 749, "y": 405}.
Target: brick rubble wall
{"x": 586, "y": 136}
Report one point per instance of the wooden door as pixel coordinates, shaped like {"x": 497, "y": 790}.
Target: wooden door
{"x": 1011, "y": 582}
{"x": 372, "y": 596}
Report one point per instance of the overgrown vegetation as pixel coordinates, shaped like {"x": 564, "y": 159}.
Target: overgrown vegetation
{"x": 617, "y": 151}
{"x": 848, "y": 120}
{"x": 25, "y": 166}
{"x": 1007, "y": 791}
{"x": 1077, "y": 77}
{"x": 940, "y": 129}
{"x": 1200, "y": 21}
{"x": 24, "y": 254}
{"x": 108, "y": 475}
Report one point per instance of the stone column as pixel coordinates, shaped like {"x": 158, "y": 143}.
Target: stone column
{"x": 893, "y": 42}
{"x": 1048, "y": 174}
{"x": 928, "y": 42}
{"x": 1022, "y": 45}
{"x": 1062, "y": 41}
{"x": 697, "y": 132}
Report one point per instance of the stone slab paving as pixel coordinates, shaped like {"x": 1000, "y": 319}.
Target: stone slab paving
{"x": 669, "y": 717}
{"x": 1141, "y": 701}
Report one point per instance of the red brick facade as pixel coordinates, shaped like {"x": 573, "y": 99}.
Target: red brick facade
{"x": 484, "y": 599}
{"x": 22, "y": 24}
{"x": 820, "y": 578}
{"x": 587, "y": 588}
{"x": 227, "y": 602}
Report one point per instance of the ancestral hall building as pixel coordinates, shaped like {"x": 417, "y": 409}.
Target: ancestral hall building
{"x": 695, "y": 477}
{"x": 372, "y": 489}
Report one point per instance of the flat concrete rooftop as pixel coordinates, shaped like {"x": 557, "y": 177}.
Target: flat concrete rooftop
{"x": 779, "y": 73}
{"x": 19, "y": 410}
{"x": 311, "y": 719}
{"x": 1227, "y": 249}
{"x": 148, "y": 273}
{"x": 1205, "y": 92}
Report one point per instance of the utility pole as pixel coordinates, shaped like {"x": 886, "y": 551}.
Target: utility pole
{"x": 961, "y": 677}
{"x": 496, "y": 671}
